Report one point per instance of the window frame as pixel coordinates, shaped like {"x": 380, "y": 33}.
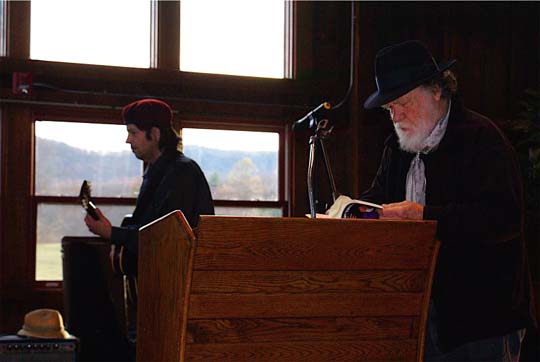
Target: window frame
{"x": 235, "y": 124}
{"x": 3, "y": 27}
{"x": 99, "y": 89}
{"x": 83, "y": 115}
{"x": 105, "y": 116}
{"x": 164, "y": 34}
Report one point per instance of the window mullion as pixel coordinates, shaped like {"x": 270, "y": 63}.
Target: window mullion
{"x": 154, "y": 20}
{"x": 18, "y": 29}
{"x": 290, "y": 40}
{"x": 167, "y": 18}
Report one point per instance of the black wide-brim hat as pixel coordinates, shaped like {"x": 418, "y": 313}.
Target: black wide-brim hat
{"x": 400, "y": 68}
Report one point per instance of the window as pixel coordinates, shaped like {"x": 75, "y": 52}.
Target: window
{"x": 250, "y": 180}
{"x": 91, "y": 32}
{"x": 66, "y": 154}
{"x": 233, "y": 37}
{"x": 242, "y": 168}
{"x": 70, "y": 100}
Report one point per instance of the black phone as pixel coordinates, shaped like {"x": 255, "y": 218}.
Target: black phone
{"x": 91, "y": 210}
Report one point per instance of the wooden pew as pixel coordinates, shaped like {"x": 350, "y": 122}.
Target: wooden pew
{"x": 284, "y": 289}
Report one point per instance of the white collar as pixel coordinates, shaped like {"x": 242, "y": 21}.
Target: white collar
{"x": 432, "y": 141}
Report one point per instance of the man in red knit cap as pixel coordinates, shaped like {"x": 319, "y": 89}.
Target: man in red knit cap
{"x": 171, "y": 180}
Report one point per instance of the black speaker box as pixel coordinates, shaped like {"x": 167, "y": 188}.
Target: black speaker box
{"x": 89, "y": 305}
{"x": 28, "y": 349}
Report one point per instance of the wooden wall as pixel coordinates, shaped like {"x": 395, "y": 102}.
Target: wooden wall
{"x": 496, "y": 45}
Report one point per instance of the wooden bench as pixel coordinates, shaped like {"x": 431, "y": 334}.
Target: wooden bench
{"x": 284, "y": 289}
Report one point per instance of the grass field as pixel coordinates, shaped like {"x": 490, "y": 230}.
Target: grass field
{"x": 49, "y": 261}
{"x": 49, "y": 252}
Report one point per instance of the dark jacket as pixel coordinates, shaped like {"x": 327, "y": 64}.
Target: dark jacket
{"x": 173, "y": 182}
{"x": 474, "y": 191}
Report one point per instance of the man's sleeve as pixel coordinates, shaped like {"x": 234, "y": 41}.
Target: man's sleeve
{"x": 377, "y": 191}
{"x": 127, "y": 236}
{"x": 491, "y": 204}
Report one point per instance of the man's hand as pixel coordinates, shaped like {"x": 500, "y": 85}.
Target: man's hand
{"x": 101, "y": 227}
{"x": 403, "y": 210}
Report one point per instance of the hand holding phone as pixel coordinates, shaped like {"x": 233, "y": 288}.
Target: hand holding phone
{"x": 86, "y": 200}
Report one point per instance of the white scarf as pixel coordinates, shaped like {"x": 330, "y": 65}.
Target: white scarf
{"x": 416, "y": 177}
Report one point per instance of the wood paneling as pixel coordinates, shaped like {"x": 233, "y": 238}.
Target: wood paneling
{"x": 328, "y": 281}
{"x": 387, "y": 351}
{"x": 278, "y": 330}
{"x": 496, "y": 45}
{"x": 307, "y": 305}
{"x": 164, "y": 308}
{"x": 272, "y": 247}
{"x": 285, "y": 288}
{"x": 17, "y": 182}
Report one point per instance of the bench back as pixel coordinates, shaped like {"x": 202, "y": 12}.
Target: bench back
{"x": 284, "y": 289}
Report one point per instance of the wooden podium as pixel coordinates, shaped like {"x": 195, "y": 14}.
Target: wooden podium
{"x": 284, "y": 289}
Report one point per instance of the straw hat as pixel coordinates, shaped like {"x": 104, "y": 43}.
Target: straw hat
{"x": 44, "y": 323}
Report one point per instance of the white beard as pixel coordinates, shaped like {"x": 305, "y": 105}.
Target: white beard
{"x": 413, "y": 141}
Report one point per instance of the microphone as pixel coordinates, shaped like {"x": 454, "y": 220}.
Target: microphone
{"x": 310, "y": 120}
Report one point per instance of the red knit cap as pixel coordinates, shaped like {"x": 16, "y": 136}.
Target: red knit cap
{"x": 148, "y": 113}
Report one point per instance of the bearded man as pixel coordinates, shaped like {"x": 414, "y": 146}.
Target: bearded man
{"x": 452, "y": 165}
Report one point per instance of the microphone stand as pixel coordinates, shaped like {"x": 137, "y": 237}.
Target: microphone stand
{"x": 321, "y": 133}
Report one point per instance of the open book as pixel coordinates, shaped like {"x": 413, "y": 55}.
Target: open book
{"x": 345, "y": 207}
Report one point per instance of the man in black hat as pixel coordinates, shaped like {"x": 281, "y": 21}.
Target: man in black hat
{"x": 171, "y": 180}
{"x": 452, "y": 165}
